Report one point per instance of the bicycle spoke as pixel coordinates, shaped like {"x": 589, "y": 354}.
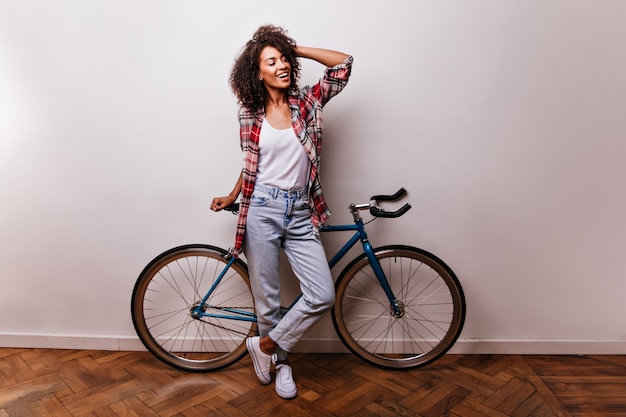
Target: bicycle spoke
{"x": 173, "y": 323}
{"x": 424, "y": 321}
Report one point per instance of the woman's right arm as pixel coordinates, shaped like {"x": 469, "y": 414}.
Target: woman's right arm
{"x": 221, "y": 202}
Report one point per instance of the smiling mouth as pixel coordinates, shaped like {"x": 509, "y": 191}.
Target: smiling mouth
{"x": 283, "y": 75}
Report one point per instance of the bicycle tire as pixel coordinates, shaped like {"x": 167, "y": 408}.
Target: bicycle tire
{"x": 431, "y": 298}
{"x": 167, "y": 290}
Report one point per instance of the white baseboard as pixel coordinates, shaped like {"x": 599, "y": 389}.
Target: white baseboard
{"x": 500, "y": 347}
{"x": 539, "y": 347}
{"x": 463, "y": 346}
{"x": 82, "y": 342}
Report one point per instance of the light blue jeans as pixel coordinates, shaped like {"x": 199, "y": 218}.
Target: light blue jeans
{"x": 279, "y": 219}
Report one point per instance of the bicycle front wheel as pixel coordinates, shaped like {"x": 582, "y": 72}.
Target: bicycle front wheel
{"x": 426, "y": 323}
{"x": 165, "y": 313}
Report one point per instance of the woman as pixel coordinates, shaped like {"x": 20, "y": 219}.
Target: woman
{"x": 282, "y": 204}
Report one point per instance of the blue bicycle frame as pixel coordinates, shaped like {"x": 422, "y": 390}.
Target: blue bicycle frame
{"x": 360, "y": 235}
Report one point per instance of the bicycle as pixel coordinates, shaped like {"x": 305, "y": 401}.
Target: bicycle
{"x": 397, "y": 307}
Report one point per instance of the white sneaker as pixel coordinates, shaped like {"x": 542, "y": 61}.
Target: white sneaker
{"x": 285, "y": 385}
{"x": 262, "y": 361}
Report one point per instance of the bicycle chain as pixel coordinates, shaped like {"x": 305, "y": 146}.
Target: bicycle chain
{"x": 226, "y": 328}
{"x": 223, "y": 328}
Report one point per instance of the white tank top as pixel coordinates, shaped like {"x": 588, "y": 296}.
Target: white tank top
{"x": 283, "y": 163}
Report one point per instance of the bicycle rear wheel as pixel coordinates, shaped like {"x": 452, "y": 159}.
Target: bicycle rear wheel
{"x": 167, "y": 291}
{"x": 429, "y": 297}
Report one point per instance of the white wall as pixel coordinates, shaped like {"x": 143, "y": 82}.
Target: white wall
{"x": 503, "y": 119}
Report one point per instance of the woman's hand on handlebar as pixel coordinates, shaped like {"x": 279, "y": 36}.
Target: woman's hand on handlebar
{"x": 221, "y": 202}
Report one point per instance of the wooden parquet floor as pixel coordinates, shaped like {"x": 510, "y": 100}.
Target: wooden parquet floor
{"x": 45, "y": 382}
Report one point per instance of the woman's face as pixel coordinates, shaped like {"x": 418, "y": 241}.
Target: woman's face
{"x": 274, "y": 69}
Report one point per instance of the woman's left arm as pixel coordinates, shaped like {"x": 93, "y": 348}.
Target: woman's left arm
{"x": 325, "y": 57}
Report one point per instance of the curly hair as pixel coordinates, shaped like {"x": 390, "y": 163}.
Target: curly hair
{"x": 244, "y": 79}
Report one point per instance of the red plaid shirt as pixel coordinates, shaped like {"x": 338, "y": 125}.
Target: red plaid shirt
{"x": 306, "y": 119}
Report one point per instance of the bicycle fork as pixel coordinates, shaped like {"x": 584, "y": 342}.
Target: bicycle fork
{"x": 396, "y": 307}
